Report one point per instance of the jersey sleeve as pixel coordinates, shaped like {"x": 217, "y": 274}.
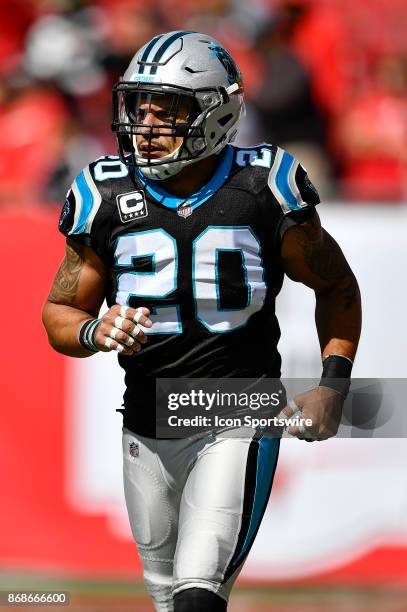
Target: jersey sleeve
{"x": 86, "y": 214}
{"x": 292, "y": 192}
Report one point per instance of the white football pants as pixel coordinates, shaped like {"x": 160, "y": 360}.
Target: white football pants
{"x": 195, "y": 506}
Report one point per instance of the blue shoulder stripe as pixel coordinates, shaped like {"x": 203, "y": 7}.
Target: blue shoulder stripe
{"x": 282, "y": 181}
{"x": 87, "y": 201}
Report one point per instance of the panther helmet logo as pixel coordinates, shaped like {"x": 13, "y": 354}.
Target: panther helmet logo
{"x": 227, "y": 61}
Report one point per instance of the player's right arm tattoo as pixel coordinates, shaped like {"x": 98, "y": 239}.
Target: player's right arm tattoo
{"x": 325, "y": 260}
{"x": 66, "y": 281}
{"x": 320, "y": 263}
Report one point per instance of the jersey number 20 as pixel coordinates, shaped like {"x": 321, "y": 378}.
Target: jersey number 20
{"x": 160, "y": 250}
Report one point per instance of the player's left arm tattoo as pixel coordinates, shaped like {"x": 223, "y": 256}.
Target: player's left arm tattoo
{"x": 311, "y": 256}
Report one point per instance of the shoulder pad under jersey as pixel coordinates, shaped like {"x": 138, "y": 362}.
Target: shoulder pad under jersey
{"x": 89, "y": 189}
{"x": 289, "y": 183}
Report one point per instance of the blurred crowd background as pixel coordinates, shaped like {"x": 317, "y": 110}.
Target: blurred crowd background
{"x": 326, "y": 79}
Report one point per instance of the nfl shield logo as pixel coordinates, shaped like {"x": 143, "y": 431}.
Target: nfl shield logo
{"x": 133, "y": 449}
{"x": 184, "y": 209}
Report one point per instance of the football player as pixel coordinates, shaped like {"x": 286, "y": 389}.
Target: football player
{"x": 188, "y": 239}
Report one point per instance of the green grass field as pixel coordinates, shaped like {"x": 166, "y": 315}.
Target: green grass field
{"x": 114, "y": 596}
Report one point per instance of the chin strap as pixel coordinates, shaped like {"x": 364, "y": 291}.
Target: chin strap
{"x": 158, "y": 172}
{"x": 161, "y": 172}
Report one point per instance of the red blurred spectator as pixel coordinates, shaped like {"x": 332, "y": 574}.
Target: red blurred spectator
{"x": 321, "y": 40}
{"x": 129, "y": 24}
{"x": 31, "y": 126}
{"x": 13, "y": 26}
{"x": 373, "y": 137}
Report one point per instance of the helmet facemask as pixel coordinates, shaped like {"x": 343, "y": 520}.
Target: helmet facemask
{"x": 178, "y": 113}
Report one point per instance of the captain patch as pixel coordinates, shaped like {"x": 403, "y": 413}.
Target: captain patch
{"x": 131, "y": 206}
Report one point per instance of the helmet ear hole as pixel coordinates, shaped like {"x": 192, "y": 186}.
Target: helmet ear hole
{"x": 225, "y": 119}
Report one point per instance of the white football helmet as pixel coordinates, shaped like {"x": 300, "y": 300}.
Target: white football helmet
{"x": 194, "y": 72}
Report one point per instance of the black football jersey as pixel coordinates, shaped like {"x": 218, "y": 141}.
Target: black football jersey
{"x": 208, "y": 266}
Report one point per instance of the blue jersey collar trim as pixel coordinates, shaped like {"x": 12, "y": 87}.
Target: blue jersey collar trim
{"x": 198, "y": 198}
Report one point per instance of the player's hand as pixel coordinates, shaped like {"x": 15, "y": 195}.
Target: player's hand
{"x": 119, "y": 329}
{"x": 323, "y": 406}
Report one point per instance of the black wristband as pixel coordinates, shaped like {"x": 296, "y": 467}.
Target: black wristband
{"x": 86, "y": 334}
{"x": 336, "y": 373}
